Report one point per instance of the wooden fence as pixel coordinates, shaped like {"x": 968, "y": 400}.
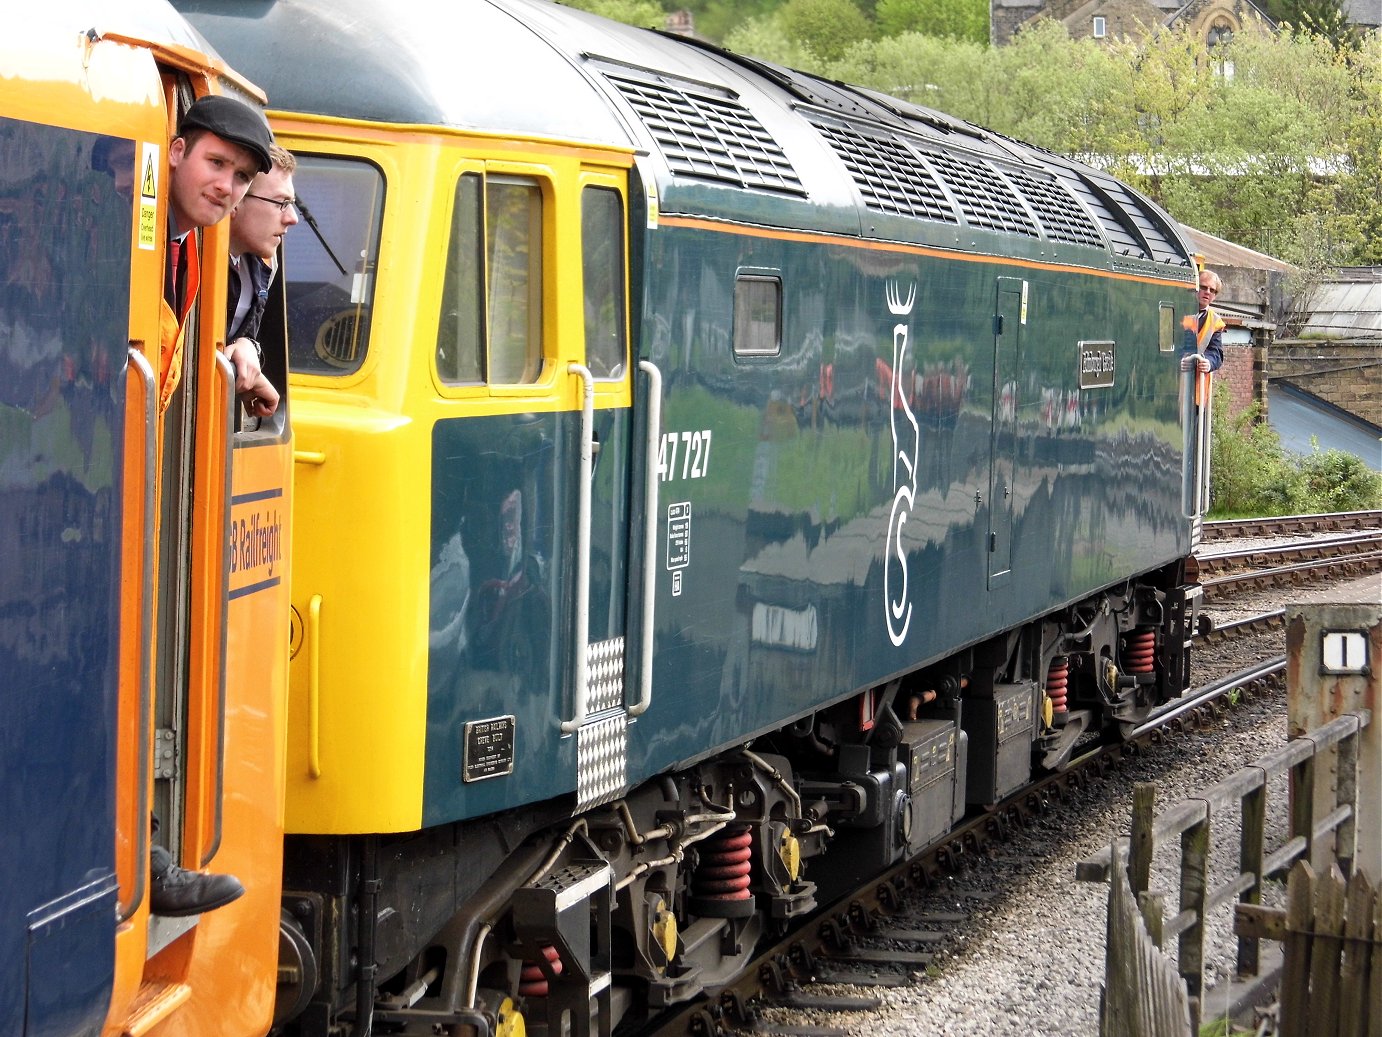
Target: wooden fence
{"x": 1335, "y": 783}
{"x": 1331, "y": 931}
{"x": 1144, "y": 995}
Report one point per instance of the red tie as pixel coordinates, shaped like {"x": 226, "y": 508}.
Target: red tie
{"x": 175, "y": 260}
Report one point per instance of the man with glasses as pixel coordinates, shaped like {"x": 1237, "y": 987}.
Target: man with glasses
{"x": 1209, "y": 328}
{"x": 257, "y": 226}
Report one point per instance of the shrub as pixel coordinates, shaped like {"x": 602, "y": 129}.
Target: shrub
{"x": 1251, "y": 474}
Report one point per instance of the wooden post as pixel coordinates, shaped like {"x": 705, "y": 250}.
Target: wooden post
{"x": 1194, "y": 883}
{"x": 1334, "y": 667}
{"x": 1140, "y": 845}
{"x": 1252, "y": 835}
{"x": 1295, "y": 966}
{"x": 1353, "y": 975}
{"x": 1325, "y": 951}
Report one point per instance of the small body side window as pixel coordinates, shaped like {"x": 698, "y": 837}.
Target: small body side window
{"x": 757, "y": 315}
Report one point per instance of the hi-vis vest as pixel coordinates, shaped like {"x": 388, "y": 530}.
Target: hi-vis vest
{"x": 1212, "y": 323}
{"x": 172, "y": 327}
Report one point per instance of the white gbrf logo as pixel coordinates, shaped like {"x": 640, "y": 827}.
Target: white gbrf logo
{"x": 906, "y": 454}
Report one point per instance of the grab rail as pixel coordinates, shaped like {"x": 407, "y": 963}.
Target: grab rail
{"x": 582, "y": 632}
{"x": 140, "y": 367}
{"x": 650, "y": 516}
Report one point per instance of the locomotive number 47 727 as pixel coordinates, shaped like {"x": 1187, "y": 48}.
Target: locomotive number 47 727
{"x": 694, "y": 449}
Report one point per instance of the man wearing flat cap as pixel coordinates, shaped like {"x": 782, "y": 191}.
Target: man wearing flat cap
{"x": 221, "y": 144}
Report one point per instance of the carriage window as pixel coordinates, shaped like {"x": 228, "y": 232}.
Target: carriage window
{"x": 492, "y": 336}
{"x": 602, "y": 261}
{"x": 329, "y": 262}
{"x": 1166, "y": 327}
{"x": 757, "y": 316}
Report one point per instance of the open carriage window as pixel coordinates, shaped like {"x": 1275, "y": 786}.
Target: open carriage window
{"x": 330, "y": 263}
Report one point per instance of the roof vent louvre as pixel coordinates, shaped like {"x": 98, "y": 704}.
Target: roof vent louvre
{"x": 709, "y": 137}
{"x": 1059, "y": 214}
{"x": 984, "y": 197}
{"x": 888, "y": 175}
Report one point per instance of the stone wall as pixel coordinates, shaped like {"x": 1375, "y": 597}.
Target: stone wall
{"x": 1244, "y": 372}
{"x": 1347, "y": 374}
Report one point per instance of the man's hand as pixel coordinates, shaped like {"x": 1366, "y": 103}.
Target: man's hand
{"x": 252, "y": 388}
{"x": 1195, "y": 360}
{"x": 261, "y": 399}
{"x": 243, "y": 355}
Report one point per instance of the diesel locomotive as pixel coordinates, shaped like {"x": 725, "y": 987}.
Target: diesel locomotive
{"x": 711, "y": 481}
{"x": 697, "y": 485}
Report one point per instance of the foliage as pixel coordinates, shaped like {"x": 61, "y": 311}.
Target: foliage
{"x": 965, "y": 20}
{"x": 1324, "y": 17}
{"x": 826, "y": 28}
{"x": 1251, "y": 474}
{"x": 647, "y": 14}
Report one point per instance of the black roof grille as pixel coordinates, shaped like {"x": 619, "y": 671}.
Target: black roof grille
{"x": 985, "y": 198}
{"x": 1059, "y": 214}
{"x": 1122, "y": 239}
{"x": 1164, "y": 246}
{"x": 888, "y": 175}
{"x": 713, "y": 138}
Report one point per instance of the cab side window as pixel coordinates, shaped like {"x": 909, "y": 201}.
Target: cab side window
{"x": 602, "y": 270}
{"x": 490, "y": 327}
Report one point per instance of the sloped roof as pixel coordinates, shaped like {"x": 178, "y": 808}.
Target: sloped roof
{"x": 1218, "y": 252}
{"x": 1348, "y": 306}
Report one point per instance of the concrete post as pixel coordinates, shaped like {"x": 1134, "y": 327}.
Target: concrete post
{"x": 1334, "y": 667}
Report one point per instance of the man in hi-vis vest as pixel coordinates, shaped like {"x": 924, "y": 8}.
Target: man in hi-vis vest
{"x": 1209, "y": 328}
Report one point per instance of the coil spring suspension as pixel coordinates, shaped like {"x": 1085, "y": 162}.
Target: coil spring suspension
{"x": 532, "y": 981}
{"x": 1057, "y": 681}
{"x": 1139, "y": 651}
{"x": 726, "y": 861}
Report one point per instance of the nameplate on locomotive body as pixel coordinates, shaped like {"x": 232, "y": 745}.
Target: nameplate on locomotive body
{"x": 1096, "y": 364}
{"x": 488, "y": 748}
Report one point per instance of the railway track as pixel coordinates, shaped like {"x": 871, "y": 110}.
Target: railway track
{"x": 1354, "y": 554}
{"x": 1287, "y": 525}
{"x": 838, "y": 943}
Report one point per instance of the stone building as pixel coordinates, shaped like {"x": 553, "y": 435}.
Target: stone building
{"x": 1217, "y": 20}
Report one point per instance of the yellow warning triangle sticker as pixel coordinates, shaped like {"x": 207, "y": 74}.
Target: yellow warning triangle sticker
{"x": 148, "y": 186}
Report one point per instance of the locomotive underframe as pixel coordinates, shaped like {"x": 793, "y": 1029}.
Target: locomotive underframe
{"x": 577, "y": 922}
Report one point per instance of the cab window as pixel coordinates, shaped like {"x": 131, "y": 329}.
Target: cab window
{"x": 330, "y": 262}
{"x": 602, "y": 269}
{"x": 490, "y": 326}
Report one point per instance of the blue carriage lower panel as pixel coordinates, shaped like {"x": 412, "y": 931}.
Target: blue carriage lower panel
{"x": 501, "y": 653}
{"x": 64, "y": 298}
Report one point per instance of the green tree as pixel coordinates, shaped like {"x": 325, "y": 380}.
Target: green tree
{"x": 1324, "y": 17}
{"x": 646, "y": 14}
{"x": 825, "y": 27}
{"x": 966, "y": 20}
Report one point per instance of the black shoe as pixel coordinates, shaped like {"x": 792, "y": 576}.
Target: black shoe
{"x": 175, "y": 892}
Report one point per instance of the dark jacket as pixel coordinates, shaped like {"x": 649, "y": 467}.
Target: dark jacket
{"x": 260, "y": 276}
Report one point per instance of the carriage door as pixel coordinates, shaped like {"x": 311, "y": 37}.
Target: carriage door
{"x": 600, "y": 720}
{"x": 1008, "y": 319}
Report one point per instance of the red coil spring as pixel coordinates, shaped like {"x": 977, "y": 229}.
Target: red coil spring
{"x": 1057, "y": 680}
{"x": 1139, "y": 651}
{"x": 532, "y": 981}
{"x": 726, "y": 861}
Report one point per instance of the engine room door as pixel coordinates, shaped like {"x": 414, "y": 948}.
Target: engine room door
{"x": 1007, "y": 322}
